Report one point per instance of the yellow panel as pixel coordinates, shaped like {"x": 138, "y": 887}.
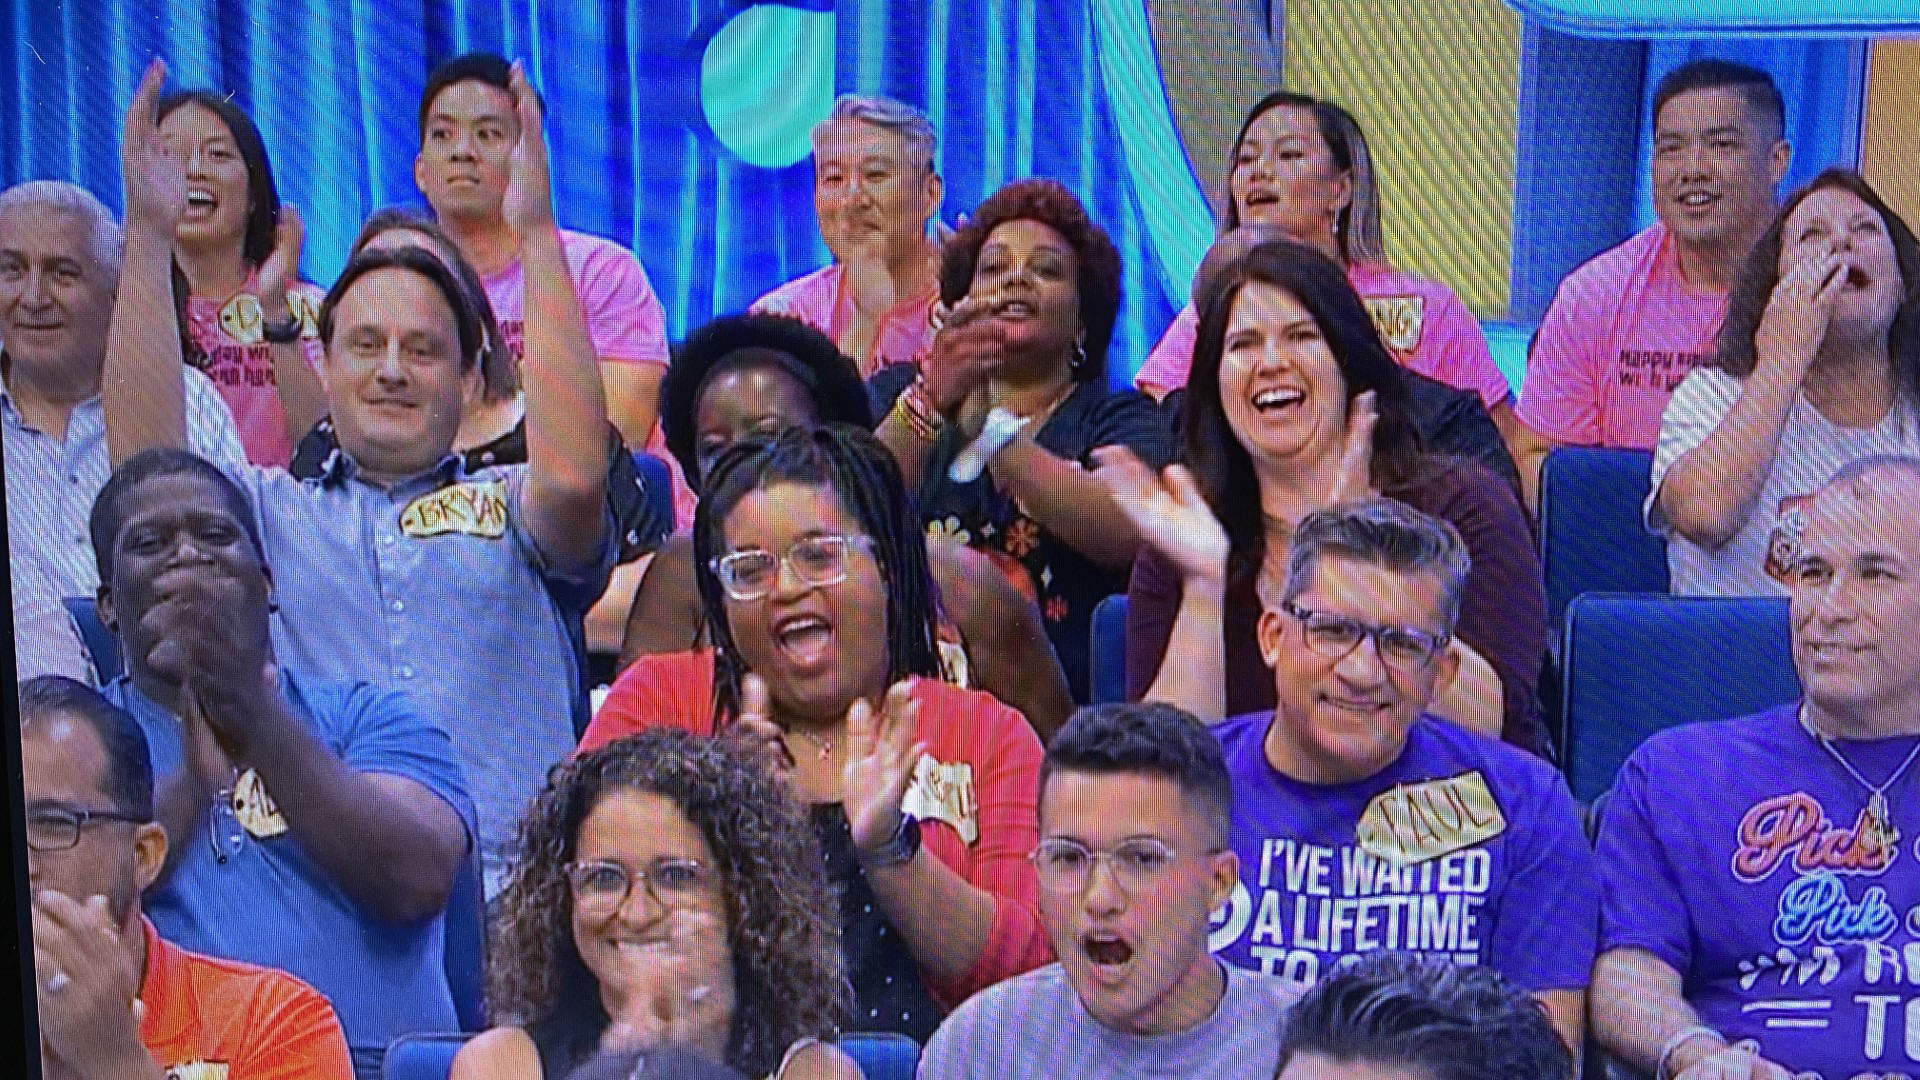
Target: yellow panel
{"x": 1890, "y": 145}
{"x": 1436, "y": 85}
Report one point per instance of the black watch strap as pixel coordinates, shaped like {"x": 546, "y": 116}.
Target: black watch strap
{"x": 280, "y": 333}
{"x": 901, "y": 849}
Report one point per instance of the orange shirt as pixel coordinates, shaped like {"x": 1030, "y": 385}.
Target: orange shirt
{"x": 212, "y": 1019}
{"x": 981, "y": 775}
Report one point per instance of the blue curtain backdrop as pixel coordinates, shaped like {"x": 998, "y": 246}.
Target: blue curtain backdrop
{"x": 1012, "y": 85}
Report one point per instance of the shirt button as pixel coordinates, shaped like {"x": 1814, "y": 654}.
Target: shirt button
{"x": 399, "y": 605}
{"x": 406, "y": 671}
{"x": 384, "y": 538}
{"x": 73, "y": 478}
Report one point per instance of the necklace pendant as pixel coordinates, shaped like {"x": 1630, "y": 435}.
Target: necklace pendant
{"x": 1880, "y": 820}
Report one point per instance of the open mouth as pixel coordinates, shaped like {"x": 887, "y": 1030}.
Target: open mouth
{"x": 1107, "y": 951}
{"x": 1278, "y": 398}
{"x": 200, "y": 203}
{"x": 1694, "y": 200}
{"x": 805, "y": 640}
{"x": 1261, "y": 197}
{"x": 1015, "y": 309}
{"x": 1356, "y": 706}
{"x": 1823, "y": 650}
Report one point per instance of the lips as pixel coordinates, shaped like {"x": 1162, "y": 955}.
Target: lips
{"x": 1696, "y": 199}
{"x": 805, "y": 640}
{"x": 1276, "y": 398}
{"x": 1016, "y": 309}
{"x": 1261, "y": 197}
{"x": 1108, "y": 954}
{"x": 1361, "y": 707}
{"x": 201, "y": 203}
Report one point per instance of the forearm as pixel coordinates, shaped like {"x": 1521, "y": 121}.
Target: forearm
{"x": 910, "y": 451}
{"x": 1024, "y": 672}
{"x": 1530, "y": 450}
{"x": 566, "y": 407}
{"x": 1567, "y": 1012}
{"x": 1068, "y": 501}
{"x": 1712, "y": 489}
{"x": 1193, "y": 668}
{"x": 1637, "y": 1006}
{"x": 302, "y": 396}
{"x": 633, "y": 398}
{"x": 946, "y": 946}
{"x": 142, "y": 388}
{"x": 131, "y": 1061}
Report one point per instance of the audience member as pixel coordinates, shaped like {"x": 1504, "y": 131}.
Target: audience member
{"x": 1819, "y": 363}
{"x": 754, "y": 374}
{"x": 874, "y": 191}
{"x": 1361, "y": 822}
{"x": 1133, "y": 855}
{"x": 397, "y": 567}
{"x": 1626, "y": 327}
{"x": 247, "y": 319}
{"x": 1302, "y": 165}
{"x": 1295, "y": 397}
{"x": 115, "y": 999}
{"x": 1758, "y": 913}
{"x": 996, "y": 429}
{"x": 1394, "y": 1016}
{"x": 317, "y": 827}
{"x": 821, "y": 611}
{"x": 668, "y": 892}
{"x": 469, "y": 125}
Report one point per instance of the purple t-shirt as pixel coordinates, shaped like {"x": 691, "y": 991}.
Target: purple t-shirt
{"x": 1464, "y": 848}
{"x": 1733, "y": 852}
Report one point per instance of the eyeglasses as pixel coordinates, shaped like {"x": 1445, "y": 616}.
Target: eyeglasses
{"x": 58, "y": 828}
{"x": 601, "y": 888}
{"x": 1066, "y": 866}
{"x": 1401, "y": 648}
{"x": 751, "y": 573}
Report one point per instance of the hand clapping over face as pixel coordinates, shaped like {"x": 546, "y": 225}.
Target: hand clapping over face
{"x": 677, "y": 990}
{"x": 965, "y": 353}
{"x": 86, "y": 984}
{"x": 153, "y": 172}
{"x": 202, "y": 640}
{"x": 1795, "y": 322}
{"x": 882, "y": 753}
{"x": 1167, "y": 510}
{"x": 1354, "y": 481}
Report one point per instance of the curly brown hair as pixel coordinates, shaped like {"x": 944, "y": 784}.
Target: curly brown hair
{"x": 789, "y": 973}
{"x": 1051, "y": 204}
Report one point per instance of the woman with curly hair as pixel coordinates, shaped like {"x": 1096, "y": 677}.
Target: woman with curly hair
{"x": 667, "y": 891}
{"x": 813, "y": 574}
{"x": 754, "y": 374}
{"x": 998, "y": 425}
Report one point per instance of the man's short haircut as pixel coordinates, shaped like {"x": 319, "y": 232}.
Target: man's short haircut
{"x": 105, "y": 241}
{"x": 1387, "y": 533}
{"x": 1713, "y": 73}
{"x": 1227, "y": 249}
{"x": 106, "y": 519}
{"x": 129, "y": 778}
{"x": 427, "y": 265}
{"x": 483, "y": 67}
{"x": 501, "y": 374}
{"x": 1146, "y": 738}
{"x": 902, "y": 119}
{"x": 1861, "y": 468}
{"x": 1429, "y": 1016}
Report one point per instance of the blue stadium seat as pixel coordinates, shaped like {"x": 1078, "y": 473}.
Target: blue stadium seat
{"x": 465, "y": 961}
{"x": 658, "y": 486}
{"x": 1592, "y": 537}
{"x": 102, "y": 645}
{"x": 1107, "y": 660}
{"x": 883, "y": 1055}
{"x": 422, "y": 1056}
{"x": 1635, "y": 664}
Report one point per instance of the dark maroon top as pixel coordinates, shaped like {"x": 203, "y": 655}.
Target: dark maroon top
{"x": 1503, "y": 615}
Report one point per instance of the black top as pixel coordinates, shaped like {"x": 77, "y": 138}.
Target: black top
{"x": 568, "y": 1038}
{"x": 888, "y": 994}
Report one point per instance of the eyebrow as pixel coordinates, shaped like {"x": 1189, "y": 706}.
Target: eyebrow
{"x": 478, "y": 118}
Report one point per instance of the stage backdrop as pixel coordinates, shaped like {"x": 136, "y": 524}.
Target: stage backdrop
{"x": 677, "y": 127}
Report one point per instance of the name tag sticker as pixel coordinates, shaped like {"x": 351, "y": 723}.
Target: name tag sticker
{"x": 255, "y": 809}
{"x": 198, "y": 1070}
{"x": 943, "y": 792}
{"x": 1399, "y": 320}
{"x": 1416, "y": 822}
{"x": 242, "y": 319}
{"x": 478, "y": 508}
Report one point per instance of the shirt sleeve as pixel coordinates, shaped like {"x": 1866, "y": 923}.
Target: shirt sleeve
{"x": 1560, "y": 392}
{"x": 1463, "y": 353}
{"x": 1549, "y": 907}
{"x": 573, "y": 587}
{"x": 624, "y": 316}
{"x": 1153, "y": 602}
{"x": 386, "y": 733}
{"x": 1699, "y": 403}
{"x": 211, "y": 431}
{"x": 1171, "y": 361}
{"x": 1007, "y": 756}
{"x": 293, "y": 1035}
{"x": 1131, "y": 419}
{"x": 654, "y": 691}
{"x": 1641, "y": 905}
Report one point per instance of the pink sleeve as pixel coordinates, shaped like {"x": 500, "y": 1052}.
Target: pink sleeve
{"x": 1558, "y": 396}
{"x": 1458, "y": 350}
{"x": 624, "y": 316}
{"x": 1167, "y": 366}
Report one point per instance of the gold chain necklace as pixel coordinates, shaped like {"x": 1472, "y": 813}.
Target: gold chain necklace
{"x": 1879, "y": 822}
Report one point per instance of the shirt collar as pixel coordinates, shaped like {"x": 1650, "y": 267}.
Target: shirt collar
{"x": 338, "y": 467}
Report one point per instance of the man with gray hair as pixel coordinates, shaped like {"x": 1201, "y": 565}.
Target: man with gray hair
{"x": 59, "y": 269}
{"x": 874, "y": 191}
{"x": 1364, "y": 823}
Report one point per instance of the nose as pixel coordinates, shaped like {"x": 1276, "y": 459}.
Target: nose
{"x": 390, "y": 369}
{"x": 1693, "y": 162}
{"x": 1833, "y": 603}
{"x": 1103, "y": 895}
{"x": 787, "y": 581}
{"x": 34, "y": 292}
{"x": 196, "y": 163}
{"x": 640, "y": 908}
{"x": 1362, "y": 666}
{"x": 461, "y": 148}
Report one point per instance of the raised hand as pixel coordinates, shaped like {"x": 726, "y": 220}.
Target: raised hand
{"x": 882, "y": 753}
{"x": 282, "y": 267}
{"x": 153, "y": 173}
{"x": 754, "y": 731}
{"x": 205, "y": 640}
{"x": 1795, "y": 322}
{"x": 1354, "y": 481}
{"x": 86, "y": 983}
{"x": 1168, "y": 511}
{"x": 965, "y": 353}
{"x": 677, "y": 990}
{"x": 528, "y": 203}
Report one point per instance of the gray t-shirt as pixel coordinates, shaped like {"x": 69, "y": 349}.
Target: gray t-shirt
{"x": 1034, "y": 1026}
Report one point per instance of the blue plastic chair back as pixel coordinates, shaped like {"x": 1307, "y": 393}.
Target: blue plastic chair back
{"x": 1107, "y": 659}
{"x": 1592, "y": 536}
{"x": 422, "y": 1055}
{"x": 882, "y": 1055}
{"x": 102, "y": 645}
{"x": 466, "y": 945}
{"x": 1635, "y": 665}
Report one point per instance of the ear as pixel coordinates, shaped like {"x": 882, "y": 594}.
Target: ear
{"x": 936, "y": 189}
{"x": 1268, "y": 632}
{"x": 149, "y": 854}
{"x": 420, "y": 168}
{"x": 1343, "y": 198}
{"x": 1777, "y": 161}
{"x": 103, "y": 607}
{"x": 1223, "y": 874}
{"x": 1446, "y": 668}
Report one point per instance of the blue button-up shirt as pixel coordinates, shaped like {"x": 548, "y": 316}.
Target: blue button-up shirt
{"x": 51, "y": 485}
{"x": 434, "y": 587}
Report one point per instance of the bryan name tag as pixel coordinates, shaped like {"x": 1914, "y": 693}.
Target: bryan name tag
{"x": 1399, "y": 320}
{"x": 476, "y": 508}
{"x": 198, "y": 1070}
{"x": 944, "y": 792}
{"x": 1416, "y": 822}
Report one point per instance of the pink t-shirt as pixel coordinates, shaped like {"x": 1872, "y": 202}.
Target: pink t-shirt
{"x": 822, "y": 301}
{"x": 240, "y": 362}
{"x": 624, "y": 317}
{"x": 1422, "y": 321}
{"x": 1623, "y": 331}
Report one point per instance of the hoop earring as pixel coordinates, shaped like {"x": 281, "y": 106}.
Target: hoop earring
{"x": 1079, "y": 358}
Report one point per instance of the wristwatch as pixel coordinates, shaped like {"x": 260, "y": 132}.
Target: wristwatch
{"x": 282, "y": 332}
{"x": 899, "y": 848}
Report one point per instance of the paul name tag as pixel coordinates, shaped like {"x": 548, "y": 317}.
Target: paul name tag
{"x": 1399, "y": 320}
{"x": 198, "y": 1070}
{"x": 477, "y": 508}
{"x": 944, "y": 792}
{"x": 1416, "y": 822}
{"x": 255, "y": 809}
